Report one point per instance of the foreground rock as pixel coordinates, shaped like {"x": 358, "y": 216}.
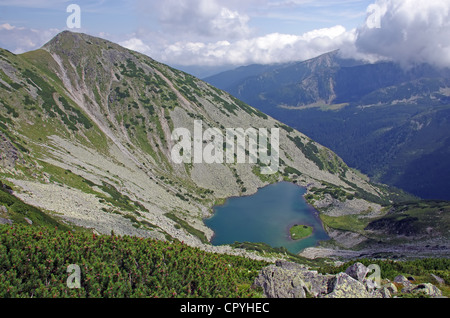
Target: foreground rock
{"x": 290, "y": 280}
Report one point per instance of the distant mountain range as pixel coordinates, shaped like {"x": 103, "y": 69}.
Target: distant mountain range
{"x": 390, "y": 123}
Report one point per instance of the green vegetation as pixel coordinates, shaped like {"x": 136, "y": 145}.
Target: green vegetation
{"x": 299, "y": 232}
{"x": 351, "y": 222}
{"x": 47, "y": 93}
{"x": 310, "y": 151}
{"x": 290, "y": 170}
{"x": 114, "y": 266}
{"x": 248, "y": 109}
{"x": 21, "y": 213}
{"x": 131, "y": 70}
{"x": 427, "y": 217}
{"x": 334, "y": 191}
{"x": 185, "y": 225}
{"x": 270, "y": 178}
{"x": 120, "y": 200}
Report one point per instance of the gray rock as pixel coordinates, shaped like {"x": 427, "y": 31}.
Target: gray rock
{"x": 407, "y": 285}
{"x": 400, "y": 279}
{"x": 290, "y": 280}
{"x": 428, "y": 289}
{"x": 279, "y": 282}
{"x": 384, "y": 292}
{"x": 344, "y": 286}
{"x": 357, "y": 271}
{"x": 5, "y": 221}
{"x": 391, "y": 288}
{"x": 370, "y": 284}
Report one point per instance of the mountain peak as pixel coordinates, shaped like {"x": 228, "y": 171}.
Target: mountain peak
{"x": 63, "y": 37}
{"x": 67, "y": 41}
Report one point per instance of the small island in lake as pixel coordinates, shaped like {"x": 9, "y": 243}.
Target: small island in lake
{"x": 299, "y": 232}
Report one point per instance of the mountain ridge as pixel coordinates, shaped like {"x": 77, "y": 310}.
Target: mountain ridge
{"x": 92, "y": 123}
{"x": 394, "y": 116}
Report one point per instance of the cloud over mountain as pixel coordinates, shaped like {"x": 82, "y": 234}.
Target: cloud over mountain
{"x": 24, "y": 39}
{"x": 408, "y": 31}
{"x": 270, "y": 48}
{"x": 235, "y": 32}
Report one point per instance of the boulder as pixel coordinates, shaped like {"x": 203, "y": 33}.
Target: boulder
{"x": 290, "y": 280}
{"x": 357, "y": 271}
{"x": 316, "y": 283}
{"x": 344, "y": 286}
{"x": 428, "y": 289}
{"x": 384, "y": 293}
{"x": 370, "y": 284}
{"x": 279, "y": 282}
{"x": 400, "y": 279}
{"x": 407, "y": 285}
{"x": 5, "y": 221}
{"x": 391, "y": 288}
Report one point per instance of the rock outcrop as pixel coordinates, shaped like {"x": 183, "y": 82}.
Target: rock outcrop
{"x": 291, "y": 280}
{"x": 9, "y": 154}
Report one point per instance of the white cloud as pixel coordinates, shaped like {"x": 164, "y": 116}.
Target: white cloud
{"x": 20, "y": 39}
{"x": 408, "y": 32}
{"x": 204, "y": 18}
{"x": 7, "y": 27}
{"x": 218, "y": 32}
{"x": 136, "y": 44}
{"x": 270, "y": 48}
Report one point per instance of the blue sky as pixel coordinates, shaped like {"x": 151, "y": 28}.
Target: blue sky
{"x": 125, "y": 16}
{"x": 239, "y": 32}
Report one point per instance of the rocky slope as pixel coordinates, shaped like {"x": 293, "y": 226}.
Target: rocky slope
{"x": 86, "y": 135}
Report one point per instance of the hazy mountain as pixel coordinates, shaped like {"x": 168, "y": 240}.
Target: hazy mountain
{"x": 391, "y": 123}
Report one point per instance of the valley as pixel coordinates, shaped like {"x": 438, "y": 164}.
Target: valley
{"x": 87, "y": 136}
{"x": 86, "y": 133}
{"x": 388, "y": 122}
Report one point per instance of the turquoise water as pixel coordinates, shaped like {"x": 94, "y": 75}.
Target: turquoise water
{"x": 266, "y": 216}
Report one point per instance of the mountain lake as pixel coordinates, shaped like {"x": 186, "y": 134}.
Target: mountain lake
{"x": 266, "y": 217}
